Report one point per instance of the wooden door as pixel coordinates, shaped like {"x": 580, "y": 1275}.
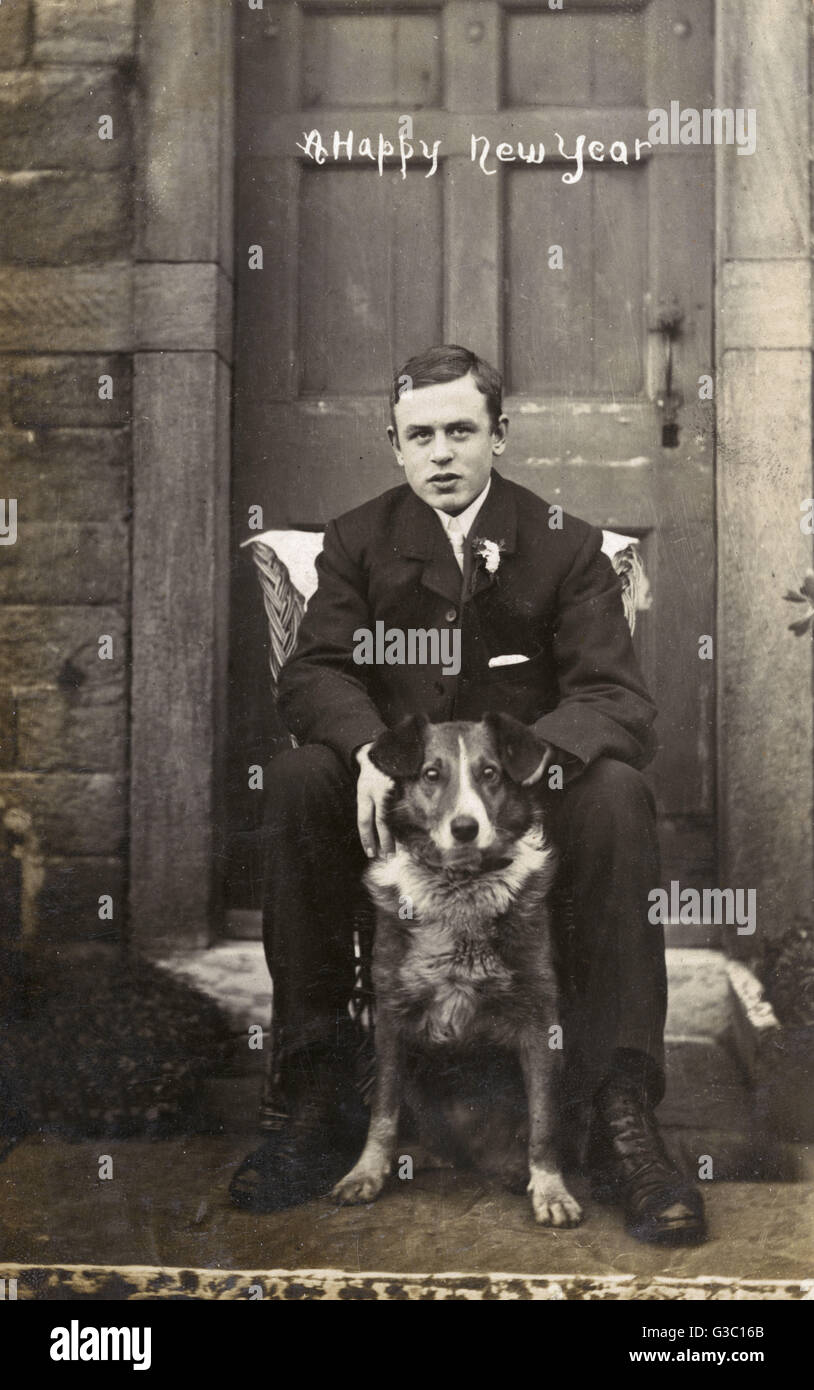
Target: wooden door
{"x": 362, "y": 268}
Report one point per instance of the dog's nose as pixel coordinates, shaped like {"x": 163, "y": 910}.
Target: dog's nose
{"x": 464, "y": 828}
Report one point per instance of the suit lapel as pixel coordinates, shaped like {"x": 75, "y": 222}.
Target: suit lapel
{"x": 496, "y": 521}
{"x": 421, "y": 536}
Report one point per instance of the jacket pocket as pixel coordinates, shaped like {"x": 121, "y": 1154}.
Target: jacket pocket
{"x": 530, "y": 671}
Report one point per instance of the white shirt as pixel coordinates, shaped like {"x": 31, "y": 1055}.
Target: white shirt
{"x": 458, "y": 527}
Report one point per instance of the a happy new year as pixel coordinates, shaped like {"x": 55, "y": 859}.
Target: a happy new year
{"x": 675, "y": 125}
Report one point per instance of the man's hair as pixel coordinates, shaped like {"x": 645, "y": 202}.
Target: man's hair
{"x": 449, "y": 363}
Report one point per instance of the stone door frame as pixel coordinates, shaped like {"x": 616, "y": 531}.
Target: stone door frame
{"x": 182, "y": 315}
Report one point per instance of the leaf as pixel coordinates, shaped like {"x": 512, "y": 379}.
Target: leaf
{"x": 807, "y": 586}
{"x": 791, "y": 597}
{"x": 802, "y": 626}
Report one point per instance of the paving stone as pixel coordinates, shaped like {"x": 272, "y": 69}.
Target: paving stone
{"x": 698, "y": 1001}
{"x": 705, "y": 1082}
{"x": 167, "y": 1205}
{"x": 233, "y": 973}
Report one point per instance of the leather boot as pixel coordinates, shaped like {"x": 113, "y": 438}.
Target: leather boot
{"x": 630, "y": 1165}
{"x": 312, "y": 1146}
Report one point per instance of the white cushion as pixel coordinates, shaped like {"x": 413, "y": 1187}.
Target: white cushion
{"x": 298, "y": 551}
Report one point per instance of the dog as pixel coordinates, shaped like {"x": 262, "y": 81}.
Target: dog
{"x": 462, "y": 958}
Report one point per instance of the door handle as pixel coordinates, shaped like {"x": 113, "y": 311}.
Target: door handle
{"x": 668, "y": 322}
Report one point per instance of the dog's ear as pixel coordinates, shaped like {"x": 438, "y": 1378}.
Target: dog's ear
{"x": 399, "y": 752}
{"x": 522, "y": 754}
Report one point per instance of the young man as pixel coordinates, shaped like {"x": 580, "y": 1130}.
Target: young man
{"x": 415, "y": 557}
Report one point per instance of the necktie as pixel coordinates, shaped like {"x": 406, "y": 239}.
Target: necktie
{"x": 457, "y": 538}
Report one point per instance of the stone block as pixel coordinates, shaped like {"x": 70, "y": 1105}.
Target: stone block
{"x": 83, "y": 31}
{"x": 764, "y": 65}
{"x": 71, "y": 812}
{"x": 14, "y": 20}
{"x": 51, "y": 217}
{"x": 60, "y": 646}
{"x": 765, "y": 743}
{"x": 72, "y": 475}
{"x": 189, "y": 65}
{"x": 49, "y": 392}
{"x": 80, "y": 309}
{"x": 183, "y": 307}
{"x": 49, "y": 119}
{"x": 180, "y": 562}
{"x": 766, "y": 304}
{"x": 64, "y": 563}
{"x": 56, "y": 730}
{"x": 68, "y": 901}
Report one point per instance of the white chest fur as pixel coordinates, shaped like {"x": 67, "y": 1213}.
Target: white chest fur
{"x": 453, "y": 965}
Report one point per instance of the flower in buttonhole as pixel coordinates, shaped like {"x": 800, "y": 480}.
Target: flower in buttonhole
{"x": 805, "y": 595}
{"x": 490, "y": 551}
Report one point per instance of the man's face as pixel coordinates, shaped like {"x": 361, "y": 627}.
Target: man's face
{"x": 444, "y": 441}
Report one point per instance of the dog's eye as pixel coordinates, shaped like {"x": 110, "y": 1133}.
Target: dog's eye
{"x": 431, "y": 774}
{"x": 490, "y": 773}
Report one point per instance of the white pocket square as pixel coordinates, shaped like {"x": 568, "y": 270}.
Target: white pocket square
{"x": 513, "y": 660}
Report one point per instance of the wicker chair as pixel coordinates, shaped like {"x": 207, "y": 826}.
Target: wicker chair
{"x": 285, "y": 566}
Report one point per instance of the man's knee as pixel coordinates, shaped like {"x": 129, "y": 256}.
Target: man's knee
{"x": 306, "y": 779}
{"x": 610, "y": 776}
{"x": 610, "y": 787}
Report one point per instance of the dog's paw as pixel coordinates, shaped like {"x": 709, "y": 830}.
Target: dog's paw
{"x": 552, "y": 1202}
{"x": 359, "y": 1185}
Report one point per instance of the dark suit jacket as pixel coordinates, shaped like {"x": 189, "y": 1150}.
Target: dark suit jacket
{"x": 554, "y": 597}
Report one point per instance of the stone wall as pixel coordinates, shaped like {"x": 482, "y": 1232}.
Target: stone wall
{"x": 764, "y": 469}
{"x": 115, "y": 388}
{"x": 66, "y": 251}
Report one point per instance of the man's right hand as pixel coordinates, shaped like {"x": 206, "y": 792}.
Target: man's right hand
{"x": 371, "y": 795}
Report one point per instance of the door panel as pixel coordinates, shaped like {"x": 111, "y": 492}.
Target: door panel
{"x": 350, "y": 58}
{"x": 357, "y": 311}
{"x": 361, "y": 270}
{"x": 595, "y": 60}
{"x": 575, "y": 331}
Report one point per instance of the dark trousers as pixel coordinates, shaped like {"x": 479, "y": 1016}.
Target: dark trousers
{"x": 611, "y": 959}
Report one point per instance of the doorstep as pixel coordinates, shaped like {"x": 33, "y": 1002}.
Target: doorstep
{"x": 778, "y": 1060}
{"x": 235, "y": 976}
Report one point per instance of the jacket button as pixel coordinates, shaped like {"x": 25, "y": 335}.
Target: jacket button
{"x": 451, "y": 615}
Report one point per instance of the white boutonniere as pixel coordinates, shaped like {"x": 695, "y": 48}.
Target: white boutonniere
{"x": 489, "y": 551}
